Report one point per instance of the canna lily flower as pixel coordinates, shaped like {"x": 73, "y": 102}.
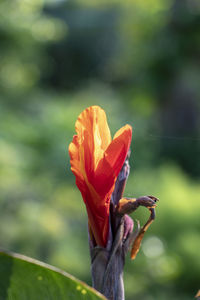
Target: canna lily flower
{"x": 96, "y": 161}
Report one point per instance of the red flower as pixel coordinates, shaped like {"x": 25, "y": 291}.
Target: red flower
{"x": 96, "y": 161}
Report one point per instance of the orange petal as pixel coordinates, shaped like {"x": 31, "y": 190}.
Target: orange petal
{"x": 93, "y": 137}
{"x": 117, "y": 151}
{"x": 93, "y": 120}
{"x": 113, "y": 160}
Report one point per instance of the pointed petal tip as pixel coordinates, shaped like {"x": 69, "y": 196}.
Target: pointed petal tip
{"x": 125, "y": 130}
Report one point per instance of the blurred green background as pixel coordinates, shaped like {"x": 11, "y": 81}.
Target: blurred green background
{"x": 138, "y": 60}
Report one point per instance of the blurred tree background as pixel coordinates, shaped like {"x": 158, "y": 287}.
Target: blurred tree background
{"x": 138, "y": 60}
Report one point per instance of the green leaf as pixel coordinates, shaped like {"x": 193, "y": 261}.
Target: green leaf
{"x": 23, "y": 278}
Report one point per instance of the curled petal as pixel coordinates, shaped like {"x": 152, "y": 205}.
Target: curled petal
{"x": 113, "y": 160}
{"x": 117, "y": 151}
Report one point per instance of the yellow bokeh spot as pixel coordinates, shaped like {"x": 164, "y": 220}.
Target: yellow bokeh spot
{"x": 83, "y": 292}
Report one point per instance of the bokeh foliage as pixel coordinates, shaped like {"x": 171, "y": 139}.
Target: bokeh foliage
{"x": 137, "y": 59}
